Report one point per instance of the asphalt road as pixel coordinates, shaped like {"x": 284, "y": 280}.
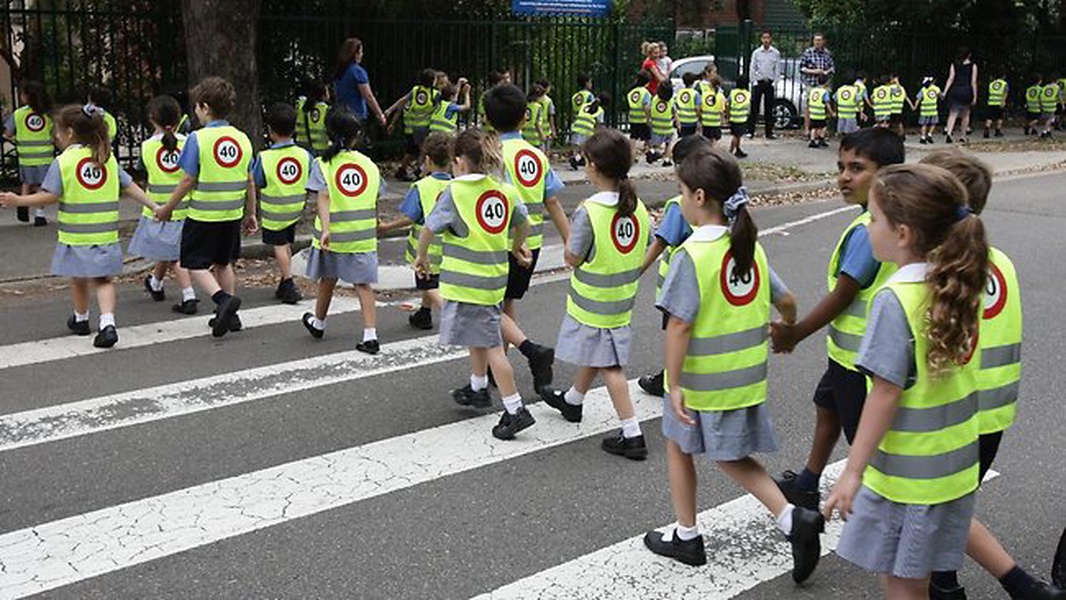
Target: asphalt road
{"x": 413, "y": 500}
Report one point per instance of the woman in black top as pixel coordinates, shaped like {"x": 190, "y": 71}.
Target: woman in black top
{"x": 961, "y": 92}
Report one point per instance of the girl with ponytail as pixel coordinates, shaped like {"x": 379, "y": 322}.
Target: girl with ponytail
{"x": 907, "y": 490}
{"x": 609, "y": 233}
{"x": 718, "y": 293}
{"x": 30, "y": 127}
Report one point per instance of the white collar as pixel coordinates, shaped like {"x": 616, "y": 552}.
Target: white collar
{"x": 912, "y": 273}
{"x": 604, "y": 198}
{"x": 470, "y": 177}
{"x": 708, "y": 233}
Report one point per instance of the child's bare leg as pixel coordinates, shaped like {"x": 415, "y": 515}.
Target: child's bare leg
{"x": 618, "y": 388}
{"x": 502, "y": 371}
{"x": 105, "y": 295}
{"x": 182, "y": 275}
{"x": 682, "y": 475}
{"x": 753, "y": 477}
{"x": 79, "y": 291}
{"x": 283, "y": 256}
{"x": 898, "y": 588}
{"x": 367, "y": 304}
{"x": 479, "y": 361}
{"x": 160, "y": 270}
{"x": 324, "y": 297}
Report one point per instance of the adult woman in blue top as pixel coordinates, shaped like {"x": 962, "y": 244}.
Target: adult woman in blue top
{"x": 961, "y": 92}
{"x": 352, "y": 85}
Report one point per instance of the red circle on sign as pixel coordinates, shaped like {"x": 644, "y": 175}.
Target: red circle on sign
{"x": 725, "y": 277}
{"x": 288, "y": 160}
{"x": 741, "y": 97}
{"x": 625, "y": 248}
{"x": 996, "y": 276}
{"x": 635, "y": 96}
{"x": 221, "y": 160}
{"x": 39, "y": 120}
{"x": 90, "y": 185}
{"x": 661, "y": 106}
{"x": 538, "y": 172}
{"x": 161, "y": 154}
{"x": 339, "y": 176}
{"x": 479, "y": 209}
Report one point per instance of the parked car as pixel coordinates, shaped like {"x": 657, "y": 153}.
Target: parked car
{"x": 788, "y": 89}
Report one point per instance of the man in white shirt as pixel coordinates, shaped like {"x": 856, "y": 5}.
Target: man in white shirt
{"x": 763, "y": 72}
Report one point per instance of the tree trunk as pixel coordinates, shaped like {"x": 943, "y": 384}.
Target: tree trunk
{"x": 220, "y": 38}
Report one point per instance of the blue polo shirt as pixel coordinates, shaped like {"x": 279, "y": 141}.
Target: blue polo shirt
{"x": 346, "y": 89}
{"x": 411, "y": 206}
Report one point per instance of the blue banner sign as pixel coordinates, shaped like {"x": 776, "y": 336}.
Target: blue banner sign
{"x": 583, "y": 8}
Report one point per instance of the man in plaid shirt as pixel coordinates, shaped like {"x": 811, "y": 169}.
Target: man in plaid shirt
{"x": 816, "y": 61}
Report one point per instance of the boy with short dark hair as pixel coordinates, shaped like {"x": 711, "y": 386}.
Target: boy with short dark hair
{"x": 216, "y": 161}
{"x": 819, "y": 111}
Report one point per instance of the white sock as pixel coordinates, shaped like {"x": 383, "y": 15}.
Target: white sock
{"x": 188, "y": 294}
{"x": 81, "y": 317}
{"x": 512, "y": 403}
{"x": 573, "y": 397}
{"x": 687, "y": 533}
{"x": 319, "y": 324}
{"x": 784, "y": 520}
{"x": 154, "y": 283}
{"x": 107, "y": 319}
{"x": 478, "y": 382}
{"x": 630, "y": 427}
{"x": 38, "y": 212}
{"x": 370, "y": 333}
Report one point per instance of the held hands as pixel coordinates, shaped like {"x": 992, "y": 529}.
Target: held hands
{"x": 523, "y": 255}
{"x": 162, "y": 213}
{"x": 381, "y": 119}
{"x": 251, "y": 224}
{"x": 677, "y": 402}
{"x": 9, "y": 199}
{"x": 783, "y": 337}
{"x": 421, "y": 266}
{"x": 843, "y": 495}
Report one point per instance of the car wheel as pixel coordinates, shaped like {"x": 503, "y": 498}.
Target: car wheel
{"x": 785, "y": 115}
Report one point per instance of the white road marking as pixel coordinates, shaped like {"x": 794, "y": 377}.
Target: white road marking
{"x": 62, "y": 552}
{"x": 784, "y": 228}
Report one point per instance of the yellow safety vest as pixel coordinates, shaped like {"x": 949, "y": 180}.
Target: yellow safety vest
{"x": 847, "y": 98}
{"x": 882, "y": 102}
{"x": 112, "y": 126}
{"x": 603, "y": 289}
{"x": 1032, "y": 98}
{"x": 441, "y": 121}
{"x": 726, "y": 359}
{"x": 997, "y": 92}
{"x": 1000, "y": 346}
{"x": 1049, "y": 98}
{"x": 429, "y": 191}
{"x": 282, "y": 201}
{"x": 929, "y": 454}
{"x": 311, "y": 127}
{"x": 164, "y": 175}
{"x": 846, "y": 331}
{"x": 930, "y": 100}
{"x": 88, "y": 210}
{"x": 419, "y": 108}
{"x": 475, "y": 265}
{"x": 527, "y": 169}
{"x": 662, "y": 116}
{"x": 580, "y": 99}
{"x": 637, "y": 98}
{"x": 898, "y": 96}
{"x": 668, "y": 253}
{"x": 222, "y": 184}
{"x": 530, "y": 131}
{"x": 687, "y": 105}
{"x": 712, "y": 107}
{"x": 354, "y": 181}
{"x": 585, "y": 122}
{"x": 33, "y": 138}
{"x": 816, "y": 102}
{"x": 739, "y": 106}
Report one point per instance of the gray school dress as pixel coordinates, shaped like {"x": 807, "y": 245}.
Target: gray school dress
{"x": 353, "y": 267}
{"x": 157, "y": 240}
{"x": 845, "y": 125}
{"x": 720, "y": 435}
{"x": 882, "y": 536}
{"x": 463, "y": 324}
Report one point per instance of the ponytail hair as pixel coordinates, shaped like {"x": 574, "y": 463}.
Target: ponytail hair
{"x": 933, "y": 204}
{"x": 165, "y": 112}
{"x": 481, "y": 149}
{"x": 344, "y": 131}
{"x": 717, "y": 173}
{"x": 612, "y": 154}
{"x": 36, "y": 96}
{"x": 89, "y": 129}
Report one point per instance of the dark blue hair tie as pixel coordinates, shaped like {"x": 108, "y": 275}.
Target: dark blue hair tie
{"x": 962, "y": 211}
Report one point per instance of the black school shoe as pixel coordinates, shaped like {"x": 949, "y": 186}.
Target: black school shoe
{"x": 39, "y": 221}
{"x": 287, "y": 292}
{"x": 1058, "y": 564}
{"x": 1043, "y": 590}
{"x": 235, "y": 324}
{"x": 466, "y": 396}
{"x": 510, "y": 425}
{"x": 540, "y": 365}
{"x": 653, "y": 384}
{"x": 314, "y": 331}
{"x": 787, "y": 484}
{"x": 157, "y": 296}
{"x": 939, "y": 593}
{"x": 689, "y": 552}
{"x": 557, "y": 400}
{"x": 421, "y": 318}
{"x": 106, "y": 338}
{"x": 77, "y": 327}
{"x": 23, "y": 212}
{"x": 806, "y": 545}
{"x": 740, "y": 153}
{"x": 632, "y": 448}
{"x": 224, "y": 314}
{"x": 187, "y": 307}
{"x": 368, "y": 346}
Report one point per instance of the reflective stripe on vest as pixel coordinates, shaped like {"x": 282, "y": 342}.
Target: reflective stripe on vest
{"x": 354, "y": 182}
{"x": 585, "y": 122}
{"x": 440, "y": 121}
{"x": 846, "y": 331}
{"x": 282, "y": 201}
{"x": 527, "y": 170}
{"x": 816, "y": 103}
{"x": 419, "y": 108}
{"x": 847, "y": 99}
{"x": 1049, "y": 98}
{"x": 997, "y": 93}
{"x": 604, "y": 287}
{"x": 1000, "y": 345}
{"x": 636, "y": 98}
{"x": 533, "y": 118}
{"x": 726, "y": 360}
{"x": 222, "y": 183}
{"x": 33, "y": 138}
{"x": 1032, "y": 98}
{"x": 662, "y": 116}
{"x": 739, "y": 106}
{"x": 712, "y": 106}
{"x": 930, "y": 100}
{"x": 930, "y": 454}
{"x": 474, "y": 269}
{"x": 164, "y": 175}
{"x": 580, "y": 99}
{"x": 88, "y": 209}
{"x": 686, "y": 103}
{"x": 882, "y": 102}
{"x": 302, "y": 137}
{"x": 429, "y": 190}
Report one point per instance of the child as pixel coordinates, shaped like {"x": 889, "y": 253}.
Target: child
{"x": 87, "y": 182}
{"x": 587, "y": 120}
{"x": 583, "y": 95}
{"x": 687, "y": 105}
{"x": 344, "y": 244}
{"x": 547, "y": 115}
{"x": 1032, "y": 103}
{"x": 154, "y": 240}
{"x": 1049, "y": 103}
{"x": 639, "y": 100}
{"x": 739, "y": 107}
{"x": 881, "y": 102}
{"x": 854, "y": 276}
{"x": 418, "y": 203}
{"x": 863, "y": 94}
{"x": 907, "y": 490}
{"x": 898, "y": 96}
{"x": 528, "y": 170}
{"x": 998, "y": 90}
{"x": 928, "y": 100}
{"x": 819, "y": 111}
{"x": 311, "y": 111}
{"x": 445, "y": 117}
{"x": 30, "y": 126}
{"x": 663, "y": 124}
{"x": 471, "y": 316}
{"x": 101, "y": 97}
{"x": 216, "y": 160}
{"x": 849, "y": 104}
{"x": 716, "y": 353}
{"x": 533, "y": 129}
{"x": 609, "y": 231}
{"x": 664, "y": 62}
{"x": 280, "y": 173}
{"x": 712, "y": 109}
{"x": 417, "y": 105}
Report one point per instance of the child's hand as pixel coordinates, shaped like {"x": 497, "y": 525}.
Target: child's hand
{"x": 421, "y": 266}
{"x": 323, "y": 240}
{"x": 524, "y": 256}
{"x": 9, "y": 199}
{"x": 162, "y": 213}
{"x": 677, "y": 402}
{"x": 782, "y": 337}
{"x": 251, "y": 224}
{"x": 843, "y": 495}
